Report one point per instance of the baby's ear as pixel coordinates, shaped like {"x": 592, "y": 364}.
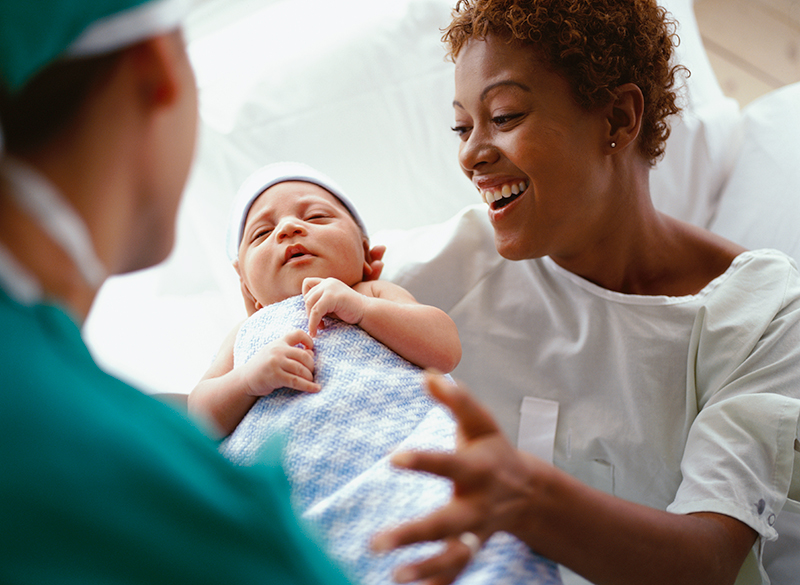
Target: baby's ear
{"x": 251, "y": 305}
{"x": 373, "y": 261}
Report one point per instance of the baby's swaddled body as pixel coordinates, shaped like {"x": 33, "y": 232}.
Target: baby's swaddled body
{"x": 337, "y": 444}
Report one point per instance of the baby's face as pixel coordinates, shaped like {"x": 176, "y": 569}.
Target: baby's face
{"x": 295, "y": 230}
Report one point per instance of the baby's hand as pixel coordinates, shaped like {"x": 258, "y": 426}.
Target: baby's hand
{"x": 282, "y": 364}
{"x": 330, "y": 296}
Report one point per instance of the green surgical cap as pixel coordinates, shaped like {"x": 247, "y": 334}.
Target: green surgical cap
{"x": 34, "y": 33}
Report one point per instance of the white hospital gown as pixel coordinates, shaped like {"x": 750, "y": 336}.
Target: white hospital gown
{"x": 680, "y": 403}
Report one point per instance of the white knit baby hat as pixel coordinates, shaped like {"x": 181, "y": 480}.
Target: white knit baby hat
{"x": 266, "y": 177}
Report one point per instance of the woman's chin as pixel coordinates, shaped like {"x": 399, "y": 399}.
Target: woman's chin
{"x": 509, "y": 248}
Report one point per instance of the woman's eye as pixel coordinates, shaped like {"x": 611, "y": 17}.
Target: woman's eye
{"x": 504, "y": 119}
{"x": 461, "y": 131}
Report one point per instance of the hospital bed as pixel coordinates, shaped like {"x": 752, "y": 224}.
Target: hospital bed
{"x": 360, "y": 89}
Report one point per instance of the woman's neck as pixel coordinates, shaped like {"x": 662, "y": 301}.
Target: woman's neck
{"x": 657, "y": 255}
{"x": 635, "y": 249}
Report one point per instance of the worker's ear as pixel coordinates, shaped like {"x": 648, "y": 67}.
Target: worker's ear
{"x": 155, "y": 65}
{"x": 624, "y": 116}
{"x": 251, "y": 305}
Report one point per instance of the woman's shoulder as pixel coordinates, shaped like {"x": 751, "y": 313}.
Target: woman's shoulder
{"x": 759, "y": 284}
{"x": 764, "y": 268}
{"x": 767, "y": 257}
{"x": 756, "y": 304}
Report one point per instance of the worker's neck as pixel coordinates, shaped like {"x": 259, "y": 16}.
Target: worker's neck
{"x": 44, "y": 260}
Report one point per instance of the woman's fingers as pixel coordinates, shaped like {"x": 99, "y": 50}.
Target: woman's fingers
{"x": 474, "y": 421}
{"x": 377, "y": 252}
{"x": 473, "y": 470}
{"x": 441, "y": 569}
{"x": 443, "y": 464}
{"x": 449, "y": 520}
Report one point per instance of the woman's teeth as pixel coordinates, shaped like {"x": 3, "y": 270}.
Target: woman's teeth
{"x": 506, "y": 191}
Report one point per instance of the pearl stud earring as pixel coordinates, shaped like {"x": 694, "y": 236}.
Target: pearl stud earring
{"x": 613, "y": 145}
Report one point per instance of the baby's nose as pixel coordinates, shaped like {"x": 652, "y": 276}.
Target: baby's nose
{"x": 290, "y": 227}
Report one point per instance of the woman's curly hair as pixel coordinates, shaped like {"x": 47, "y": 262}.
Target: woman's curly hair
{"x": 597, "y": 45}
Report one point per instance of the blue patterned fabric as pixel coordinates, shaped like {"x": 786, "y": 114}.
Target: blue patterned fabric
{"x": 337, "y": 445}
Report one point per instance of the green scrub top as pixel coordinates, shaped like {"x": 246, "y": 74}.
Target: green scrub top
{"x": 100, "y": 483}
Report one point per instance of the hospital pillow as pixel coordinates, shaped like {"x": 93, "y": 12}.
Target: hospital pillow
{"x": 760, "y": 204}
{"x": 702, "y": 147}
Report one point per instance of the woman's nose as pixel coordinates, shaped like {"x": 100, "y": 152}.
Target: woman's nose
{"x": 475, "y": 151}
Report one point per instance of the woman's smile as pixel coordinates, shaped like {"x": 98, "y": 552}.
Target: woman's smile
{"x": 500, "y": 196}
{"x": 532, "y": 152}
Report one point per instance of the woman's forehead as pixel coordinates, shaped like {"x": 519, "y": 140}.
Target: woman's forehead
{"x": 494, "y": 56}
{"x": 493, "y": 65}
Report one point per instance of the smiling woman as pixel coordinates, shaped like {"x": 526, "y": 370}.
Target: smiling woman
{"x": 645, "y": 343}
{"x": 519, "y": 124}
{"x": 526, "y": 113}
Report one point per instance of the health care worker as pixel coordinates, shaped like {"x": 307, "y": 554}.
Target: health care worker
{"x": 101, "y": 483}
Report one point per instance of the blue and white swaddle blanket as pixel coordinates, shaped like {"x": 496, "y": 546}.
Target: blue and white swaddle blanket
{"x": 337, "y": 444}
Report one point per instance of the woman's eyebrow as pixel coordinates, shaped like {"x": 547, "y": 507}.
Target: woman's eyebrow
{"x": 505, "y": 83}
{"x": 489, "y": 88}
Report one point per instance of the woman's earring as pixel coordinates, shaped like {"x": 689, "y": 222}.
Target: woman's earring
{"x": 613, "y": 145}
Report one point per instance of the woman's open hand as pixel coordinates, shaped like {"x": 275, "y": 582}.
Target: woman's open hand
{"x": 494, "y": 488}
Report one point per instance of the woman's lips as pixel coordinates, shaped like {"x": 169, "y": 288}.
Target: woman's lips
{"x": 501, "y": 195}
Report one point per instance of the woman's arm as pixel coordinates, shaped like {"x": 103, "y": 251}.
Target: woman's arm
{"x": 422, "y": 334}
{"x": 225, "y": 394}
{"x": 604, "y": 538}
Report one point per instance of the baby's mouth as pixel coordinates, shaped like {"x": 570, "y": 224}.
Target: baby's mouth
{"x": 293, "y": 252}
{"x": 500, "y": 197}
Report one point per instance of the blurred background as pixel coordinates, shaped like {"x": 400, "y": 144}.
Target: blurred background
{"x": 308, "y": 80}
{"x": 753, "y": 45}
